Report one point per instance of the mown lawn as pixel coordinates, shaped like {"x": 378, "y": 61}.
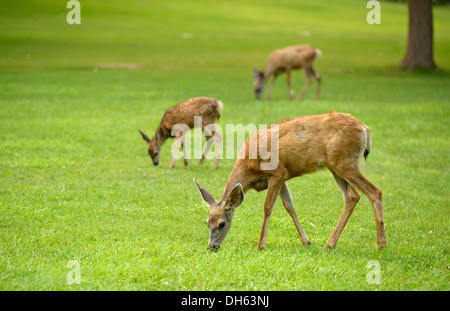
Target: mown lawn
{"x": 76, "y": 182}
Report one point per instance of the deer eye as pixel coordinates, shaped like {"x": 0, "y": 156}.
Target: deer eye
{"x": 222, "y": 224}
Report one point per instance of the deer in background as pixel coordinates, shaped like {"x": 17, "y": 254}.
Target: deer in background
{"x": 284, "y": 61}
{"x": 208, "y": 108}
{"x": 306, "y": 144}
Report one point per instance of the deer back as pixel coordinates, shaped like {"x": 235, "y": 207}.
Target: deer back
{"x": 305, "y": 144}
{"x": 209, "y": 109}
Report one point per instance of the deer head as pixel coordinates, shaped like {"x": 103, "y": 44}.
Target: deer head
{"x": 221, "y": 214}
{"x": 258, "y": 82}
{"x": 154, "y": 145}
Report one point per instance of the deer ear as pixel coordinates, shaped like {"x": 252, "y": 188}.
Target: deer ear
{"x": 207, "y": 197}
{"x": 145, "y": 137}
{"x": 255, "y": 73}
{"x": 258, "y": 74}
{"x": 236, "y": 197}
{"x": 160, "y": 133}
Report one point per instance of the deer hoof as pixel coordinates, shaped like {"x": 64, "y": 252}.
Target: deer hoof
{"x": 328, "y": 246}
{"x": 306, "y": 244}
{"x": 213, "y": 248}
{"x": 382, "y": 245}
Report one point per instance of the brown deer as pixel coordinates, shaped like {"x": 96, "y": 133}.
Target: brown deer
{"x": 181, "y": 117}
{"x": 284, "y": 61}
{"x": 305, "y": 145}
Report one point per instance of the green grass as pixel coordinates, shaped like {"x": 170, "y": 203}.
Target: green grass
{"x": 76, "y": 182}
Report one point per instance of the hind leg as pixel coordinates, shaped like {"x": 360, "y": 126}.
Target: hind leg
{"x": 357, "y": 179}
{"x": 318, "y": 80}
{"x": 351, "y": 198}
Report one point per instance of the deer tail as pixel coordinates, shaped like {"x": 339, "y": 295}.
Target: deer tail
{"x": 318, "y": 54}
{"x": 368, "y": 143}
{"x": 219, "y": 109}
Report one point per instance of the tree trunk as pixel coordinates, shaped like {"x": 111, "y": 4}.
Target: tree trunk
{"x": 419, "y": 50}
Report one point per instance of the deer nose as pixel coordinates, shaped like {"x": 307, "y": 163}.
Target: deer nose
{"x": 155, "y": 163}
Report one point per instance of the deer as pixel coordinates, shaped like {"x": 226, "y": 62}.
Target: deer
{"x": 182, "y": 116}
{"x": 284, "y": 61}
{"x": 306, "y": 144}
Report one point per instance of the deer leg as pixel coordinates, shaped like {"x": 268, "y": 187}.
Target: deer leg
{"x": 217, "y": 138}
{"x": 289, "y": 206}
{"x": 172, "y": 163}
{"x": 218, "y": 141}
{"x": 269, "y": 93}
{"x": 318, "y": 79}
{"x": 272, "y": 193}
{"x": 209, "y": 142}
{"x": 351, "y": 198}
{"x": 374, "y": 194}
{"x": 185, "y": 161}
{"x": 288, "y": 81}
{"x": 307, "y": 84}
{"x": 179, "y": 140}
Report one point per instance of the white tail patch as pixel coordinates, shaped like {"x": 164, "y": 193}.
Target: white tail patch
{"x": 219, "y": 107}
{"x": 318, "y": 53}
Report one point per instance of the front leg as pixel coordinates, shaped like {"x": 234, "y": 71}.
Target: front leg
{"x": 289, "y": 206}
{"x": 272, "y": 193}
{"x": 208, "y": 144}
{"x": 269, "y": 93}
{"x": 307, "y": 84}
{"x": 179, "y": 140}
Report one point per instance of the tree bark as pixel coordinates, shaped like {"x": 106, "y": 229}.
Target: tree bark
{"x": 419, "y": 50}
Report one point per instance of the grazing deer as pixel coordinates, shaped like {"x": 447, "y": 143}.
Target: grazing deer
{"x": 283, "y": 61}
{"x": 208, "y": 108}
{"x": 305, "y": 144}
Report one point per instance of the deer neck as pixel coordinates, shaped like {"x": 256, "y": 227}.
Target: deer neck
{"x": 240, "y": 174}
{"x": 268, "y": 71}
